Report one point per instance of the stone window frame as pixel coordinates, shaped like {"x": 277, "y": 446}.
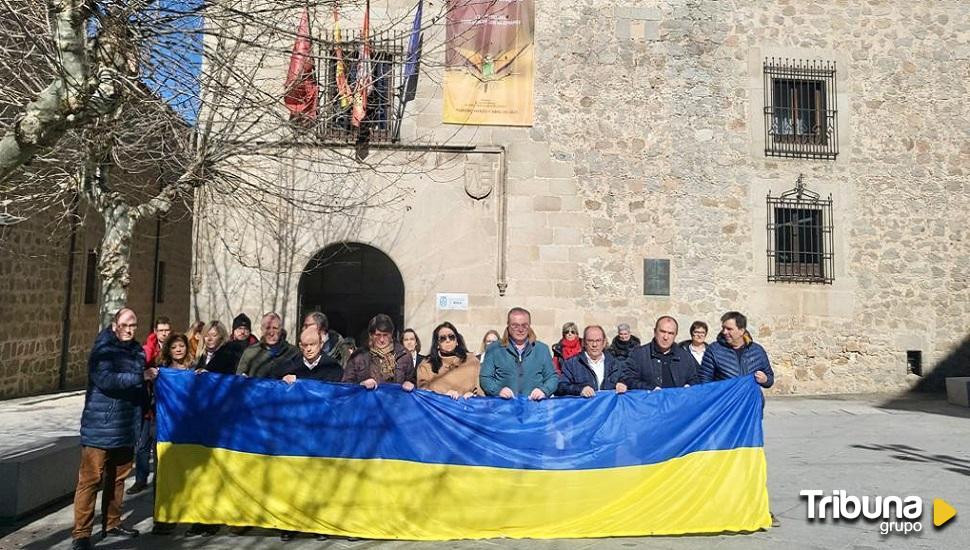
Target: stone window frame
{"x": 800, "y": 108}
{"x": 800, "y": 245}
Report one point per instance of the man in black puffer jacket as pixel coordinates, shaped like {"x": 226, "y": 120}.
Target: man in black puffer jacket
{"x": 115, "y": 394}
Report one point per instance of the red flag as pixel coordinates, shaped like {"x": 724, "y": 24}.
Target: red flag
{"x": 301, "y": 80}
{"x": 363, "y": 84}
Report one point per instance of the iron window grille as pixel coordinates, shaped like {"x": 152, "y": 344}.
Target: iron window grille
{"x": 383, "y": 102}
{"x": 800, "y": 242}
{"x": 800, "y": 109}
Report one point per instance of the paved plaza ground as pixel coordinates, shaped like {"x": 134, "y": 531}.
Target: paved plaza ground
{"x": 866, "y": 445}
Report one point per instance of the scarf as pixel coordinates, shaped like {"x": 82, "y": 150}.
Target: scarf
{"x": 275, "y": 349}
{"x": 384, "y": 359}
{"x": 570, "y": 348}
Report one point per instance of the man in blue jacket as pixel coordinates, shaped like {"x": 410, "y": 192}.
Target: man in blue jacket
{"x": 592, "y": 370}
{"x": 660, "y": 363}
{"x": 518, "y": 364}
{"x": 736, "y": 354}
{"x": 115, "y": 394}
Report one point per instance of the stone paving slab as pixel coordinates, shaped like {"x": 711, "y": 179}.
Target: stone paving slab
{"x": 866, "y": 445}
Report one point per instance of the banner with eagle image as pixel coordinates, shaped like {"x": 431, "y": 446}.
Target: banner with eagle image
{"x": 489, "y": 62}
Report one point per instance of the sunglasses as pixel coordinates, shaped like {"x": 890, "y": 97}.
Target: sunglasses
{"x": 447, "y": 337}
{"x": 570, "y": 332}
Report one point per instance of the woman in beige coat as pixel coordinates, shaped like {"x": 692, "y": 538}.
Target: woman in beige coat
{"x": 449, "y": 368}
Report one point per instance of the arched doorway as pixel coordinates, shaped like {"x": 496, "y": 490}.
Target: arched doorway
{"x": 350, "y": 283}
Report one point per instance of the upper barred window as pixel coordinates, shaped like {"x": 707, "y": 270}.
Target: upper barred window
{"x": 800, "y": 109}
{"x": 383, "y": 101}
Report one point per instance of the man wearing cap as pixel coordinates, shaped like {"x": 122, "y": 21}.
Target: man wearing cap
{"x": 226, "y": 358}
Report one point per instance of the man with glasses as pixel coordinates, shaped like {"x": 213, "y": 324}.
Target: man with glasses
{"x": 591, "y": 370}
{"x": 518, "y": 364}
{"x": 115, "y": 394}
{"x": 660, "y": 363}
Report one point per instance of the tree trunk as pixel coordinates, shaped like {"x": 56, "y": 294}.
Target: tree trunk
{"x": 115, "y": 258}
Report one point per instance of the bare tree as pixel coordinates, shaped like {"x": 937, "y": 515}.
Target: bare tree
{"x": 136, "y": 106}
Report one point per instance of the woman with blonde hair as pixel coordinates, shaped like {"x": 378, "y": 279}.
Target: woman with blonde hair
{"x": 194, "y": 335}
{"x": 449, "y": 368}
{"x": 214, "y": 335}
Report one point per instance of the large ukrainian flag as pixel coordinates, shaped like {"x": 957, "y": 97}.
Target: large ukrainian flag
{"x": 385, "y": 464}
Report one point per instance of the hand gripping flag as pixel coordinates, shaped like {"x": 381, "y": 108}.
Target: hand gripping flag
{"x": 301, "y": 83}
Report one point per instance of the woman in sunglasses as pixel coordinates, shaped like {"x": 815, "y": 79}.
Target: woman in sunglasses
{"x": 449, "y": 368}
{"x": 567, "y": 348}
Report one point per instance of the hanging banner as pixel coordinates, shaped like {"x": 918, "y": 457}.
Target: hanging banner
{"x": 489, "y": 62}
{"x": 386, "y": 464}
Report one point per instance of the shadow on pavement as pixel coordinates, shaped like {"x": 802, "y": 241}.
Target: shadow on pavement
{"x": 912, "y": 454}
{"x": 926, "y": 403}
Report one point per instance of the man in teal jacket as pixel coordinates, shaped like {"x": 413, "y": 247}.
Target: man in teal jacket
{"x": 518, "y": 364}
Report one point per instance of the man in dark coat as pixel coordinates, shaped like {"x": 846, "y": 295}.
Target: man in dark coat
{"x": 736, "y": 354}
{"x": 312, "y": 364}
{"x": 334, "y": 345}
{"x": 660, "y": 363}
{"x": 591, "y": 370}
{"x": 115, "y": 394}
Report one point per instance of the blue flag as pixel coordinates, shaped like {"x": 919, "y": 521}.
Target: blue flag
{"x": 413, "y": 58}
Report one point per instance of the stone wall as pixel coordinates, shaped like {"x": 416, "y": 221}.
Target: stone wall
{"x": 33, "y": 278}
{"x": 648, "y": 142}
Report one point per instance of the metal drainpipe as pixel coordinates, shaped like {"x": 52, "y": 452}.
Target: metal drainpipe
{"x": 68, "y": 297}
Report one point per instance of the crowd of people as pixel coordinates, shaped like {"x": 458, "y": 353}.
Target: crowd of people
{"x": 117, "y": 425}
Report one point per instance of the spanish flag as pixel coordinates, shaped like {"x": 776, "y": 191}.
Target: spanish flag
{"x": 386, "y": 464}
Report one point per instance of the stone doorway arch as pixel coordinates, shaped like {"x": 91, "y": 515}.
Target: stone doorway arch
{"x": 351, "y": 282}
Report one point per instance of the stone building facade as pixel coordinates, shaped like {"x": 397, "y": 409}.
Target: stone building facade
{"x": 34, "y": 277}
{"x": 649, "y": 142}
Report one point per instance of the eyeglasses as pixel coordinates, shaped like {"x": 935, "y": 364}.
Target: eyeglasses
{"x": 570, "y": 331}
{"x": 519, "y": 326}
{"x": 447, "y": 337}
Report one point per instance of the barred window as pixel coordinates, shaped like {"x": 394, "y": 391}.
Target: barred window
{"x": 800, "y": 109}
{"x": 383, "y": 102}
{"x": 800, "y": 244}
